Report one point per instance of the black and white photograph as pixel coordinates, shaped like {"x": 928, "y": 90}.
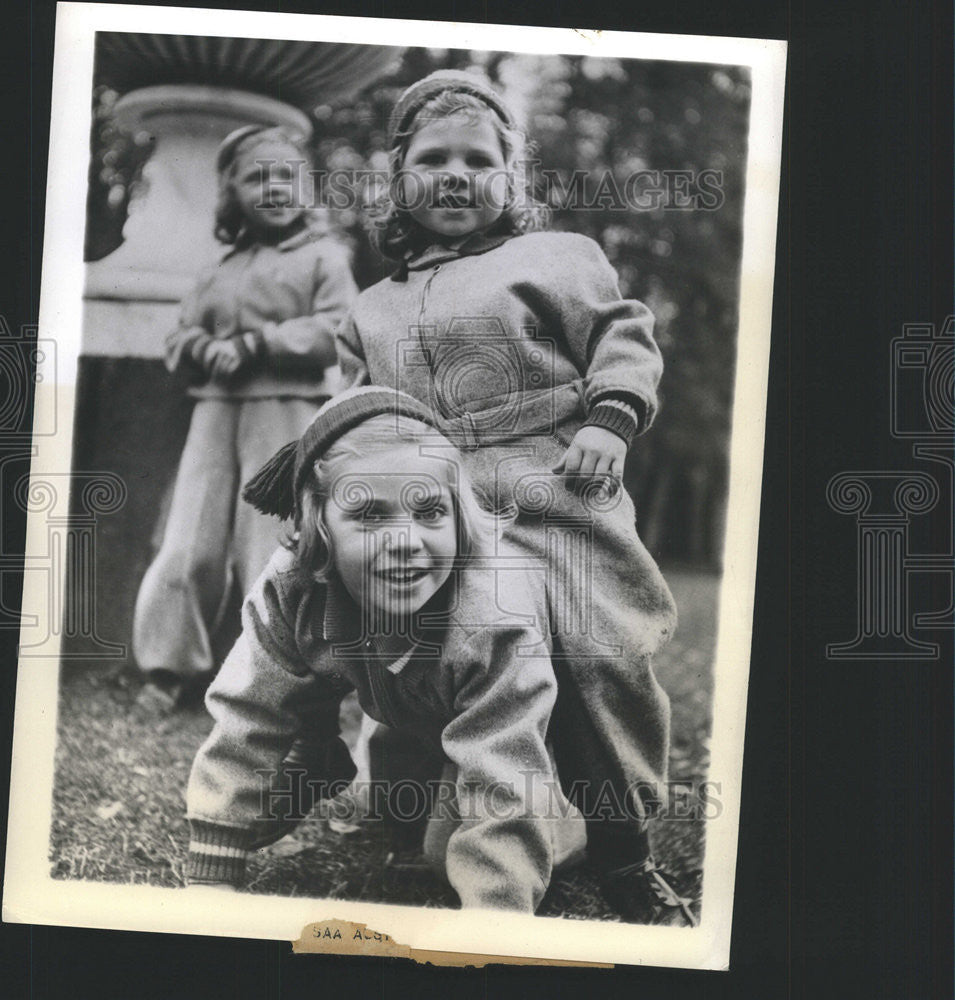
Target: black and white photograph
{"x": 394, "y": 485}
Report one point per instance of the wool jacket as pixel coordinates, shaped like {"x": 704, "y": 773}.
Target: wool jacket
{"x": 479, "y": 685}
{"x": 281, "y": 303}
{"x": 503, "y": 321}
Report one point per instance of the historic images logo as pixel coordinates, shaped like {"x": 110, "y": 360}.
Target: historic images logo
{"x": 885, "y": 502}
{"x": 70, "y": 503}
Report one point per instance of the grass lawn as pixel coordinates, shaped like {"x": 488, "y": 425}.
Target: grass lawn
{"x": 119, "y": 791}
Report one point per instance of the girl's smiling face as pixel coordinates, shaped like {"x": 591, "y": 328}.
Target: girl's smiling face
{"x": 267, "y": 182}
{"x": 392, "y": 535}
{"x": 453, "y": 181}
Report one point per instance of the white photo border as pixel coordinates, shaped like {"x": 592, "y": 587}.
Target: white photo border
{"x": 30, "y": 894}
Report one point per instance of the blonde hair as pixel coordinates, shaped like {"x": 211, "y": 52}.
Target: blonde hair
{"x": 475, "y": 527}
{"x": 392, "y": 229}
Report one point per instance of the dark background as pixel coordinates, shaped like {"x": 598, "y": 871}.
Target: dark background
{"x": 844, "y": 875}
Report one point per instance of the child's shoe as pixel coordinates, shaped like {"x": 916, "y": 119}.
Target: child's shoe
{"x": 161, "y": 694}
{"x": 641, "y": 894}
{"x": 166, "y": 692}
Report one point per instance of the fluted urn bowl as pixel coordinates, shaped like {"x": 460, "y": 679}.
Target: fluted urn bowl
{"x": 303, "y": 74}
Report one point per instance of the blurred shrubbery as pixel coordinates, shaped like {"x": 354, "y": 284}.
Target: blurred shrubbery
{"x": 116, "y": 165}
{"x": 647, "y": 158}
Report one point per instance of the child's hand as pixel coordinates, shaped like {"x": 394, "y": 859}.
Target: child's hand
{"x": 222, "y": 359}
{"x": 594, "y": 454}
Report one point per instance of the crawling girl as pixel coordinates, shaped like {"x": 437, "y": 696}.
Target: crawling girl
{"x": 384, "y": 589}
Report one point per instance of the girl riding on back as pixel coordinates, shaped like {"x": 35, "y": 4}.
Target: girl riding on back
{"x": 520, "y": 345}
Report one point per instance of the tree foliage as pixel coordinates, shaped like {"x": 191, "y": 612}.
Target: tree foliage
{"x": 116, "y": 163}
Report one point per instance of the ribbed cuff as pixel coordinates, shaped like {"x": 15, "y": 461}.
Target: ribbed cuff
{"x": 616, "y": 416}
{"x": 217, "y": 854}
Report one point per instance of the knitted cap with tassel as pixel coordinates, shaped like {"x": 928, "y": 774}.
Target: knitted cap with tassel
{"x": 419, "y": 93}
{"x": 275, "y": 488}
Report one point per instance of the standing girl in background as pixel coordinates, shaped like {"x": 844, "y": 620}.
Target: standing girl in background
{"x": 520, "y": 344}
{"x": 255, "y": 337}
